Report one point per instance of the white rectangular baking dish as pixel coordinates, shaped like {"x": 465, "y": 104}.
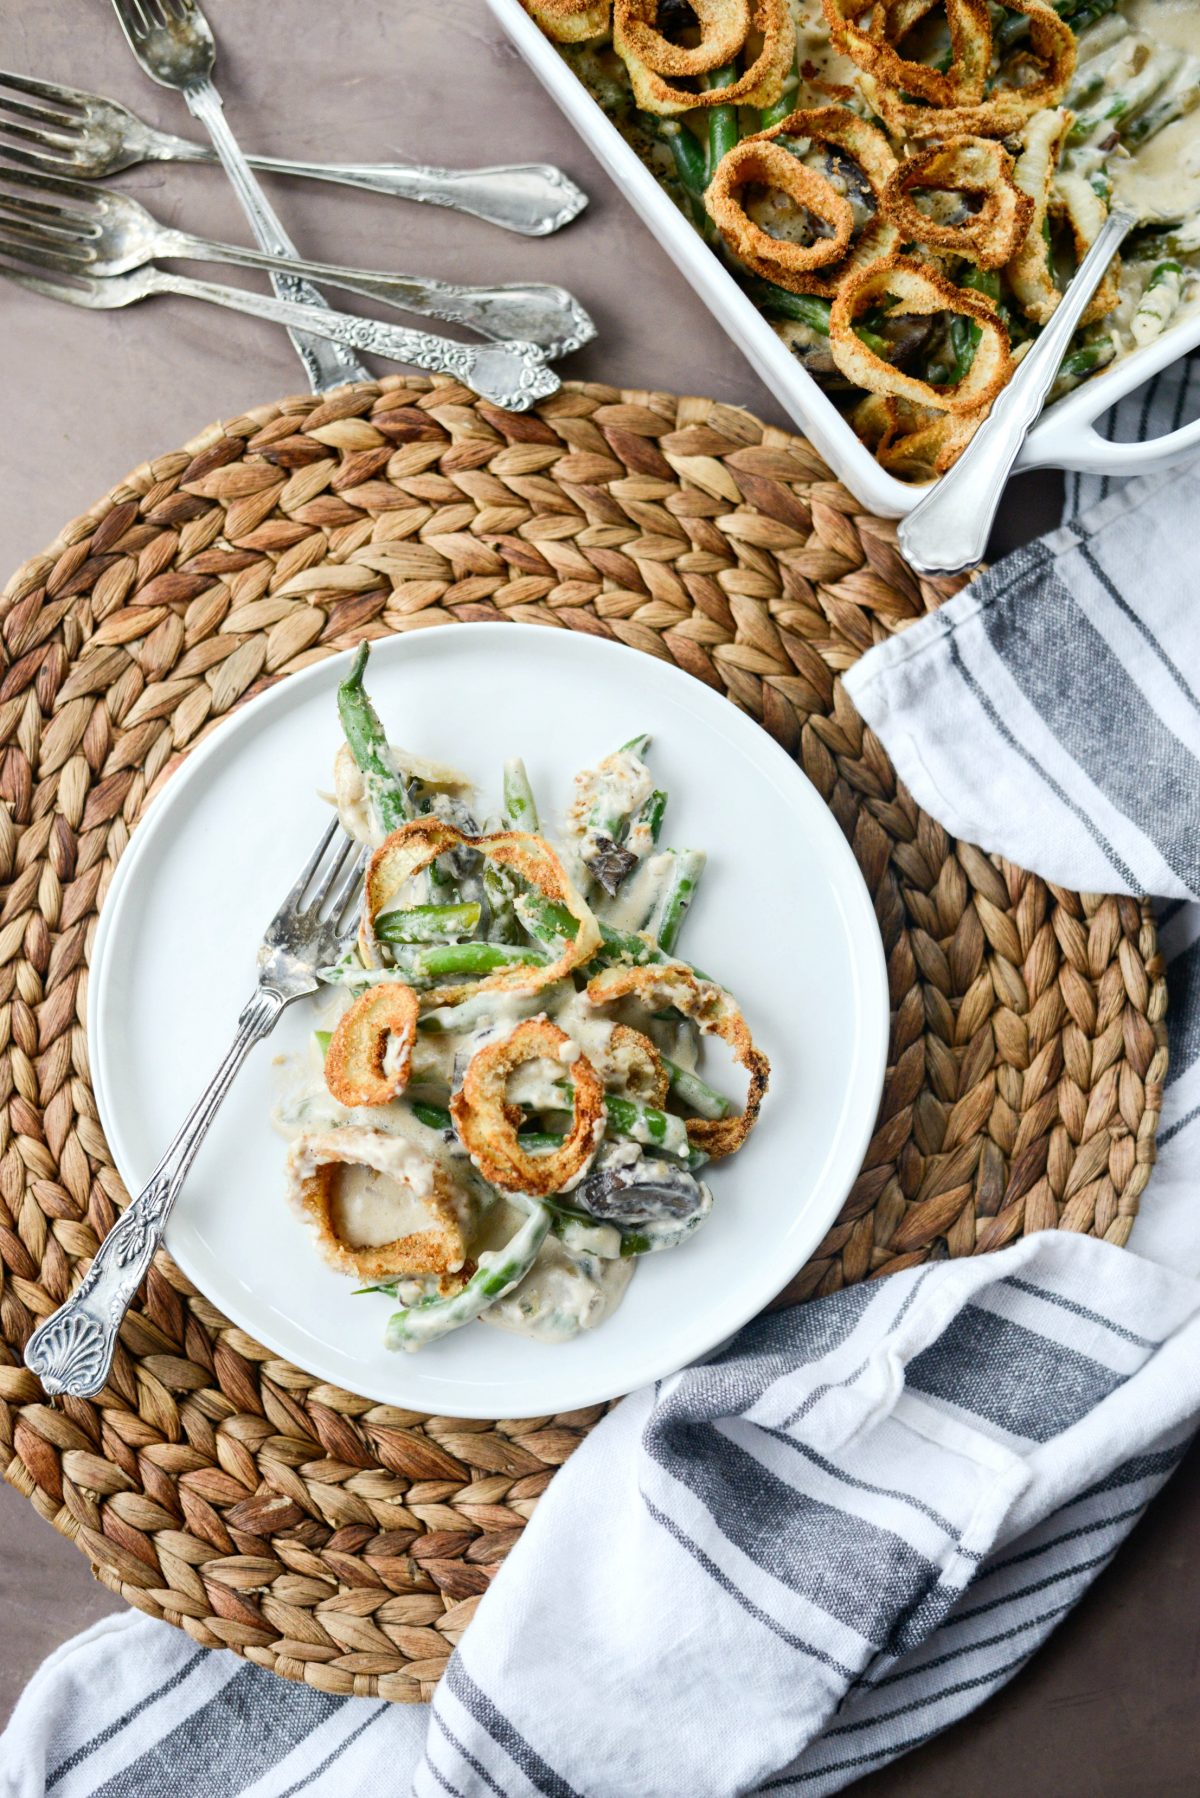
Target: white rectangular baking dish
{"x": 1063, "y": 438}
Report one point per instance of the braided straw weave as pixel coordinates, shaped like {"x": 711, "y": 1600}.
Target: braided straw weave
{"x": 335, "y": 1540}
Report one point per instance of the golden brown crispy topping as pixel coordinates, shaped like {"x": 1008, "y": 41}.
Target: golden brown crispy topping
{"x": 370, "y": 1051}
{"x": 658, "y": 986}
{"x": 821, "y": 266}
{"x": 656, "y": 87}
{"x": 915, "y": 287}
{"x": 979, "y": 167}
{"x": 571, "y": 21}
{"x": 411, "y": 849}
{"x": 423, "y": 1191}
{"x": 488, "y": 1124}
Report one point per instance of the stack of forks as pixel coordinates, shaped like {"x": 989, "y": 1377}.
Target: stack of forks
{"x": 96, "y": 246}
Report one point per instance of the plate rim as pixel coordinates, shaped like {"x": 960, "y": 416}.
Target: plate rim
{"x": 870, "y": 965}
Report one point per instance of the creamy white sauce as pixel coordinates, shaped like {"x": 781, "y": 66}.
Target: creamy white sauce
{"x": 367, "y": 1208}
{"x": 562, "y": 1294}
{"x": 384, "y": 1193}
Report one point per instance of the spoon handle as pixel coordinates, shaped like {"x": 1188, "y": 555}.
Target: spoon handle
{"x": 947, "y": 531}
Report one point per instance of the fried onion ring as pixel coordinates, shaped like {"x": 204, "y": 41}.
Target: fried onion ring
{"x": 630, "y": 1062}
{"x": 314, "y": 1162}
{"x": 962, "y": 84}
{"x": 1077, "y": 201}
{"x": 415, "y": 845}
{"x": 915, "y": 443}
{"x": 978, "y": 166}
{"x": 724, "y": 28}
{"x": 361, "y": 1066}
{"x": 759, "y": 85}
{"x": 918, "y": 289}
{"x": 1029, "y": 271}
{"x": 571, "y": 21}
{"x": 658, "y": 986}
{"x": 780, "y": 262}
{"x": 487, "y": 1125}
{"x": 772, "y": 257}
{"x": 1005, "y": 110}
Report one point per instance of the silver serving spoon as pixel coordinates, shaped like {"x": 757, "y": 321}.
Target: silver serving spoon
{"x": 947, "y": 531}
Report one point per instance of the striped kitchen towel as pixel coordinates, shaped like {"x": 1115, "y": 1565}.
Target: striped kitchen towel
{"x": 771, "y": 1573}
{"x": 779, "y": 1570}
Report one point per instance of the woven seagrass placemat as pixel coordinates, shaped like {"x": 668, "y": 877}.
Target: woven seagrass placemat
{"x": 335, "y": 1540}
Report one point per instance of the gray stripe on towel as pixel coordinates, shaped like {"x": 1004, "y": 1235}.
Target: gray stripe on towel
{"x": 1054, "y": 653}
{"x": 1023, "y": 1382}
{"x": 812, "y": 1548}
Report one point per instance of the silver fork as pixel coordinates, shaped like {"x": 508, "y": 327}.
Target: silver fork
{"x": 71, "y": 132}
{"x": 72, "y": 1350}
{"x": 512, "y": 375}
{"x": 108, "y": 233}
{"x": 175, "y": 47}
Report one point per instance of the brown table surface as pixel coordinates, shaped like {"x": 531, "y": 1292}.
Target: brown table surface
{"x": 1111, "y": 1706}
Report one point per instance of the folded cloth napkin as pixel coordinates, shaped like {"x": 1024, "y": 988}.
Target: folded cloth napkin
{"x": 772, "y": 1572}
{"x": 780, "y": 1569}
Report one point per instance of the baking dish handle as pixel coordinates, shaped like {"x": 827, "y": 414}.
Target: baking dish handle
{"x": 1067, "y": 438}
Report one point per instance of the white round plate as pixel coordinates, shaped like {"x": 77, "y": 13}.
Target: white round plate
{"x": 782, "y": 918}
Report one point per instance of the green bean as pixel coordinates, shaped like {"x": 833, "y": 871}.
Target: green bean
{"x": 440, "y": 959}
{"x": 369, "y": 747}
{"x": 672, "y": 908}
{"x": 583, "y": 1234}
{"x": 785, "y": 105}
{"x": 428, "y": 923}
{"x": 964, "y": 333}
{"x": 1148, "y": 124}
{"x": 1087, "y": 358}
{"x": 499, "y": 1272}
{"x": 807, "y": 309}
{"x": 642, "y": 1123}
{"x": 1078, "y": 14}
{"x": 649, "y": 815}
{"x": 1158, "y": 304}
{"x": 520, "y": 806}
{"x": 694, "y": 1092}
{"x": 688, "y": 155}
{"x": 551, "y": 923}
{"x": 498, "y": 890}
{"x": 1142, "y": 88}
{"x": 436, "y": 1118}
{"x": 723, "y": 128}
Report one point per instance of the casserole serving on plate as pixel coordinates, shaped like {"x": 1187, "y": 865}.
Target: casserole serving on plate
{"x": 1065, "y": 437}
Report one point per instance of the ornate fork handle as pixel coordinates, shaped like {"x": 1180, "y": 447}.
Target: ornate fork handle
{"x": 327, "y": 363}
{"x": 511, "y": 374}
{"x": 72, "y": 1351}
{"x": 531, "y": 198}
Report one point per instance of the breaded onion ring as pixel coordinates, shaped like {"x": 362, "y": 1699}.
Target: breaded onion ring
{"x": 571, "y": 21}
{"x": 487, "y": 1124}
{"x": 865, "y": 146}
{"x": 1029, "y": 275}
{"x": 918, "y": 289}
{"x": 978, "y": 166}
{"x": 724, "y": 28}
{"x": 658, "y": 986}
{"x": 1077, "y": 201}
{"x": 415, "y": 845}
{"x": 962, "y": 84}
{"x": 915, "y": 443}
{"x": 759, "y": 85}
{"x": 1005, "y": 110}
{"x": 370, "y": 1052}
{"x": 772, "y": 257}
{"x": 630, "y": 1062}
{"x": 313, "y": 1164}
